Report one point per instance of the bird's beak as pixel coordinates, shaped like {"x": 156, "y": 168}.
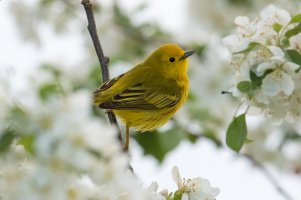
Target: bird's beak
{"x": 187, "y": 54}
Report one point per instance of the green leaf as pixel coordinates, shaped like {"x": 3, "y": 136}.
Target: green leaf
{"x": 6, "y": 140}
{"x": 250, "y": 47}
{"x": 292, "y": 135}
{"x": 47, "y": 90}
{"x": 296, "y": 19}
{"x": 237, "y": 133}
{"x": 95, "y": 153}
{"x": 248, "y": 88}
{"x": 213, "y": 137}
{"x": 294, "y": 31}
{"x": 256, "y": 80}
{"x": 50, "y": 68}
{"x": 27, "y": 142}
{"x": 294, "y": 56}
{"x": 244, "y": 86}
{"x": 169, "y": 197}
{"x": 277, "y": 27}
{"x": 192, "y": 138}
{"x": 159, "y": 144}
{"x": 178, "y": 195}
{"x": 248, "y": 141}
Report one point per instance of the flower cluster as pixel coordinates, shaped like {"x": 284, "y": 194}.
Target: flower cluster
{"x": 266, "y": 56}
{"x": 193, "y": 189}
{"x": 53, "y": 146}
{"x": 218, "y": 15}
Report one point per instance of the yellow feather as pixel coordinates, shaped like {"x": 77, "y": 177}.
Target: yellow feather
{"x": 149, "y": 94}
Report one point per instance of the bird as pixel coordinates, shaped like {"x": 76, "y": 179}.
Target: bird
{"x": 149, "y": 94}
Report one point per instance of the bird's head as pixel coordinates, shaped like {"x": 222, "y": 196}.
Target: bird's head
{"x": 170, "y": 59}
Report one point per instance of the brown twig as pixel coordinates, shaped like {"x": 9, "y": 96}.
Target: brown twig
{"x": 269, "y": 176}
{"x": 103, "y": 60}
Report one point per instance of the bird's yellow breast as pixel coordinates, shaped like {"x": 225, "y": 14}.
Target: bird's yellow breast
{"x": 148, "y": 120}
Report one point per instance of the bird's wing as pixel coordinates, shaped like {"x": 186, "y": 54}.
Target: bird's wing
{"x": 106, "y": 85}
{"x": 138, "y": 97}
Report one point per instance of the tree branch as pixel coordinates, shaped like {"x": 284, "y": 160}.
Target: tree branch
{"x": 103, "y": 60}
{"x": 268, "y": 175}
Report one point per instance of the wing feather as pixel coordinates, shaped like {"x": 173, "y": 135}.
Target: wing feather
{"x": 106, "y": 85}
{"x": 139, "y": 98}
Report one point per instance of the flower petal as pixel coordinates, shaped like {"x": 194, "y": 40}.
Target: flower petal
{"x": 241, "y": 20}
{"x": 262, "y": 67}
{"x": 177, "y": 177}
{"x": 276, "y": 51}
{"x": 270, "y": 85}
{"x": 291, "y": 66}
{"x": 185, "y": 197}
{"x": 287, "y": 84}
{"x": 153, "y": 187}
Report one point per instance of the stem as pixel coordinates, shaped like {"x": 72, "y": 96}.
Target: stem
{"x": 237, "y": 109}
{"x": 282, "y": 33}
{"x": 269, "y": 176}
{"x": 266, "y": 173}
{"x": 103, "y": 60}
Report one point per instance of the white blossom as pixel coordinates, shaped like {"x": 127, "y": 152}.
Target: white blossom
{"x": 277, "y": 82}
{"x": 194, "y": 189}
{"x": 217, "y": 15}
{"x": 67, "y": 153}
{"x": 295, "y": 42}
{"x": 259, "y": 57}
{"x": 152, "y": 193}
{"x": 65, "y": 142}
{"x": 243, "y": 35}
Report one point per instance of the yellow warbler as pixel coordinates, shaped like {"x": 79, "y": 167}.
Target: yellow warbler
{"x": 149, "y": 94}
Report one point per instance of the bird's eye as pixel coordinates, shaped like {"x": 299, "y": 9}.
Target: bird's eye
{"x": 172, "y": 59}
